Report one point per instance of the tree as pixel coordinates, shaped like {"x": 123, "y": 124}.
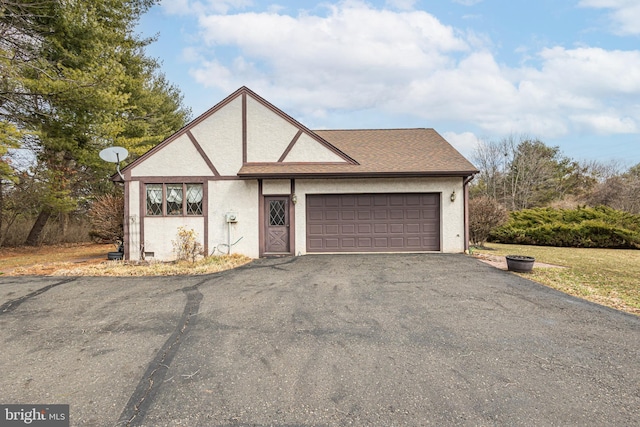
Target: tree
{"x": 106, "y": 217}
{"x": 485, "y": 214}
{"x": 524, "y": 172}
{"x": 76, "y": 79}
{"x": 620, "y": 192}
{"x": 491, "y": 159}
{"x": 9, "y": 138}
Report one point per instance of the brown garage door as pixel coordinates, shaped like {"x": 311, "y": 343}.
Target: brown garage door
{"x": 373, "y": 222}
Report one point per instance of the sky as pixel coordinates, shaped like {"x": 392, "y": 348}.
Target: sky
{"x": 566, "y": 72}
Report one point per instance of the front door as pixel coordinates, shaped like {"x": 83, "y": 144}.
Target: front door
{"x": 277, "y": 224}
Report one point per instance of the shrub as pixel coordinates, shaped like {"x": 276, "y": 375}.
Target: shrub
{"x": 599, "y": 227}
{"x": 485, "y": 214}
{"x": 186, "y": 245}
{"x": 106, "y": 217}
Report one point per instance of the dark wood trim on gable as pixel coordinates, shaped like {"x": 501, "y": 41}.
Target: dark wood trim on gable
{"x": 290, "y": 146}
{"x": 182, "y": 131}
{"x": 243, "y": 92}
{"x": 204, "y": 156}
{"x": 298, "y": 125}
{"x": 244, "y": 127}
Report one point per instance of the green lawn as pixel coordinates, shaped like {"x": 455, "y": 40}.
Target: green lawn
{"x": 609, "y": 277}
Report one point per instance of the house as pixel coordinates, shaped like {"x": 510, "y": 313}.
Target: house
{"x": 248, "y": 178}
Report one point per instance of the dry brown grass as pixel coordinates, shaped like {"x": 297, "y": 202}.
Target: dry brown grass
{"x": 90, "y": 260}
{"x": 609, "y": 277}
{"x": 12, "y": 258}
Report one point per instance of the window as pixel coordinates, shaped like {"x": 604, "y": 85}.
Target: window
{"x": 194, "y": 199}
{"x": 277, "y": 212}
{"x": 172, "y": 198}
{"x": 154, "y": 199}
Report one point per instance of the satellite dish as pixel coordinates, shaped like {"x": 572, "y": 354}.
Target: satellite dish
{"x": 114, "y": 155}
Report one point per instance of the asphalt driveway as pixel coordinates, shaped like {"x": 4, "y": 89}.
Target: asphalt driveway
{"x": 319, "y": 341}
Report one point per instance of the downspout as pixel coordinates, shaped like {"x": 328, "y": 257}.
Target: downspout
{"x": 465, "y": 185}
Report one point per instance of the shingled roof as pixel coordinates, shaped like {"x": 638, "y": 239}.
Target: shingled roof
{"x": 378, "y": 152}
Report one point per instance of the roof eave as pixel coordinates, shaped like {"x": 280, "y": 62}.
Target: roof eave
{"x": 320, "y": 175}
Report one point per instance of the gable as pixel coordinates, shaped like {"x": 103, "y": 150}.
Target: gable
{"x": 220, "y": 136}
{"x": 178, "y": 158}
{"x": 306, "y": 149}
{"x": 245, "y": 136}
{"x": 242, "y": 129}
{"x": 268, "y": 133}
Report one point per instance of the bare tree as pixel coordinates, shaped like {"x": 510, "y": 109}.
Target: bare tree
{"x": 522, "y": 172}
{"x": 620, "y": 192}
{"x": 485, "y": 214}
{"x": 106, "y": 217}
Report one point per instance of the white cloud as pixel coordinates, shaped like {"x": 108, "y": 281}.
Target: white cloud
{"x": 334, "y": 61}
{"x": 409, "y": 63}
{"x": 593, "y": 71}
{"x": 606, "y": 124}
{"x": 465, "y": 142}
{"x": 625, "y": 14}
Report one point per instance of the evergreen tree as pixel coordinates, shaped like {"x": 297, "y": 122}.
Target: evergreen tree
{"x": 76, "y": 79}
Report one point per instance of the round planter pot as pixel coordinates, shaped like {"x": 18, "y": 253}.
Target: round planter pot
{"x": 520, "y": 263}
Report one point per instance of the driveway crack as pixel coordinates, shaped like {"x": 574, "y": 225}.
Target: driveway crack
{"x": 142, "y": 398}
{"x": 15, "y": 303}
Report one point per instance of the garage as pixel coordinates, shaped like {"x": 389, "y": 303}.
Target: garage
{"x": 403, "y": 222}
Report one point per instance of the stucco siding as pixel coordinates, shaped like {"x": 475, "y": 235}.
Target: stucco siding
{"x": 452, "y": 213}
{"x": 307, "y": 149}
{"x": 178, "y": 158}
{"x": 240, "y": 197}
{"x": 273, "y": 187}
{"x": 268, "y": 134}
{"x": 220, "y": 137}
{"x": 161, "y": 232}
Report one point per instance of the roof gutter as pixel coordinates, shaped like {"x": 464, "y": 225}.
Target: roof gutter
{"x": 468, "y": 175}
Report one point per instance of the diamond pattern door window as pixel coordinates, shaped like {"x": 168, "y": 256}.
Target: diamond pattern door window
{"x": 154, "y": 199}
{"x": 277, "y": 212}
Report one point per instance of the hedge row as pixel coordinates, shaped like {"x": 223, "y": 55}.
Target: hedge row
{"x": 599, "y": 227}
